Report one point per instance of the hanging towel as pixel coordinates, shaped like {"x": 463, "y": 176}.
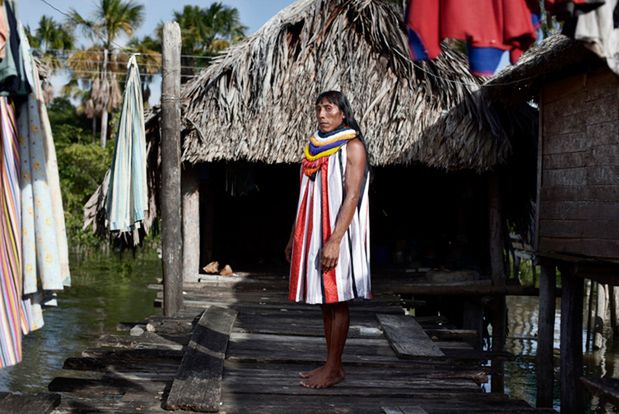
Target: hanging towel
{"x": 127, "y": 199}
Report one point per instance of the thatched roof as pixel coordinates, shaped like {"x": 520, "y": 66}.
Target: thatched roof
{"x": 555, "y": 57}
{"x": 255, "y": 102}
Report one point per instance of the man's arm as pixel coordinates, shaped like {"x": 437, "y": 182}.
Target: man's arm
{"x": 356, "y": 160}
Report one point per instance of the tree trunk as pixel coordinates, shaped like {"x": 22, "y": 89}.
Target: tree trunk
{"x": 104, "y": 128}
{"x": 104, "y": 114}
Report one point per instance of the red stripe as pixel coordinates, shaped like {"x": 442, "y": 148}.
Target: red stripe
{"x": 297, "y": 247}
{"x": 328, "y": 277}
{"x": 308, "y": 239}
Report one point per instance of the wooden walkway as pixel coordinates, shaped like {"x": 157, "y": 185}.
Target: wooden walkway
{"x": 270, "y": 341}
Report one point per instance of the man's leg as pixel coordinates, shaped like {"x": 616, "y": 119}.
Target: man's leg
{"x": 327, "y": 320}
{"x": 333, "y": 372}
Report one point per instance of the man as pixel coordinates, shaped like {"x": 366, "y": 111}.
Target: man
{"x": 329, "y": 246}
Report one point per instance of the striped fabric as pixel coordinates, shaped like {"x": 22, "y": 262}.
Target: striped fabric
{"x": 320, "y": 199}
{"x": 12, "y": 309}
{"x": 128, "y": 199}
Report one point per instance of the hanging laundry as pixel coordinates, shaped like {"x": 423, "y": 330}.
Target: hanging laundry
{"x": 4, "y": 31}
{"x": 12, "y": 72}
{"x": 127, "y": 199}
{"x": 564, "y": 9}
{"x": 13, "y": 311}
{"x": 490, "y": 27}
{"x": 599, "y": 30}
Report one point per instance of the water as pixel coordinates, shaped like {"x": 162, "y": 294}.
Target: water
{"x": 109, "y": 290}
{"x": 105, "y": 291}
{"x": 522, "y": 342}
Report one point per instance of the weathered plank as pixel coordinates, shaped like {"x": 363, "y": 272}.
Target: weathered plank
{"x": 607, "y": 388}
{"x": 580, "y": 229}
{"x": 602, "y": 193}
{"x": 405, "y": 409}
{"x": 604, "y": 249}
{"x": 407, "y": 337}
{"x": 197, "y": 385}
{"x": 41, "y": 403}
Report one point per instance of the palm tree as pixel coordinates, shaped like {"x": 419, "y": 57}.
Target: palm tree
{"x": 149, "y": 60}
{"x": 111, "y": 19}
{"x": 205, "y": 32}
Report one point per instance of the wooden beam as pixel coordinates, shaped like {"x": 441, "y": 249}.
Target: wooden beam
{"x": 406, "y": 409}
{"x": 607, "y": 388}
{"x": 571, "y": 342}
{"x": 171, "y": 237}
{"x": 190, "y": 187}
{"x": 42, "y": 403}
{"x": 197, "y": 385}
{"x": 545, "y": 335}
{"x": 407, "y": 338}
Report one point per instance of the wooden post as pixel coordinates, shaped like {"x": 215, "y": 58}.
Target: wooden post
{"x": 589, "y": 315}
{"x": 171, "y": 240}
{"x": 497, "y": 269}
{"x": 545, "y": 335}
{"x": 600, "y": 316}
{"x": 191, "y": 224}
{"x": 614, "y": 303}
{"x": 571, "y": 342}
{"x": 496, "y": 242}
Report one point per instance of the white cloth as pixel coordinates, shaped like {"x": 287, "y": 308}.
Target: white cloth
{"x": 596, "y": 29}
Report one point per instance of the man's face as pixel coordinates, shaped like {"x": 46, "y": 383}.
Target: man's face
{"x": 328, "y": 115}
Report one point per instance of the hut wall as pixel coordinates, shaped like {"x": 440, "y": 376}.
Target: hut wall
{"x": 579, "y": 192}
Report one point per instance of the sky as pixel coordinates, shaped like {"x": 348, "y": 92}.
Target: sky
{"x": 253, "y": 14}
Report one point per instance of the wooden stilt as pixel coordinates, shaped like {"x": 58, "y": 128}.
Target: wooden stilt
{"x": 600, "y": 316}
{"x": 499, "y": 319}
{"x": 590, "y": 314}
{"x": 545, "y": 335}
{"x": 614, "y": 311}
{"x": 497, "y": 268}
{"x": 571, "y": 342}
{"x": 191, "y": 225}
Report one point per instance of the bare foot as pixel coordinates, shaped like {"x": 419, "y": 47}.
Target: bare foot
{"x": 324, "y": 379}
{"x": 308, "y": 374}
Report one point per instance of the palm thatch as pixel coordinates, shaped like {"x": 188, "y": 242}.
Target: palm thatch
{"x": 554, "y": 57}
{"x": 255, "y": 102}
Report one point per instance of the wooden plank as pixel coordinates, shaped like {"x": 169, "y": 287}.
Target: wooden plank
{"x": 607, "y": 388}
{"x": 603, "y": 133}
{"x": 602, "y": 249}
{"x": 600, "y": 193}
{"x": 407, "y": 337}
{"x": 591, "y": 175}
{"x": 406, "y": 409}
{"x": 197, "y": 385}
{"x": 40, "y": 403}
{"x": 580, "y": 229}
{"x": 579, "y": 210}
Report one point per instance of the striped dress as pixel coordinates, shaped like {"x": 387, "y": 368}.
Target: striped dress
{"x": 320, "y": 199}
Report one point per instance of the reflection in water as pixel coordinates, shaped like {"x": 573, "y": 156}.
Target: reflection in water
{"x": 522, "y": 342}
{"x": 106, "y": 291}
